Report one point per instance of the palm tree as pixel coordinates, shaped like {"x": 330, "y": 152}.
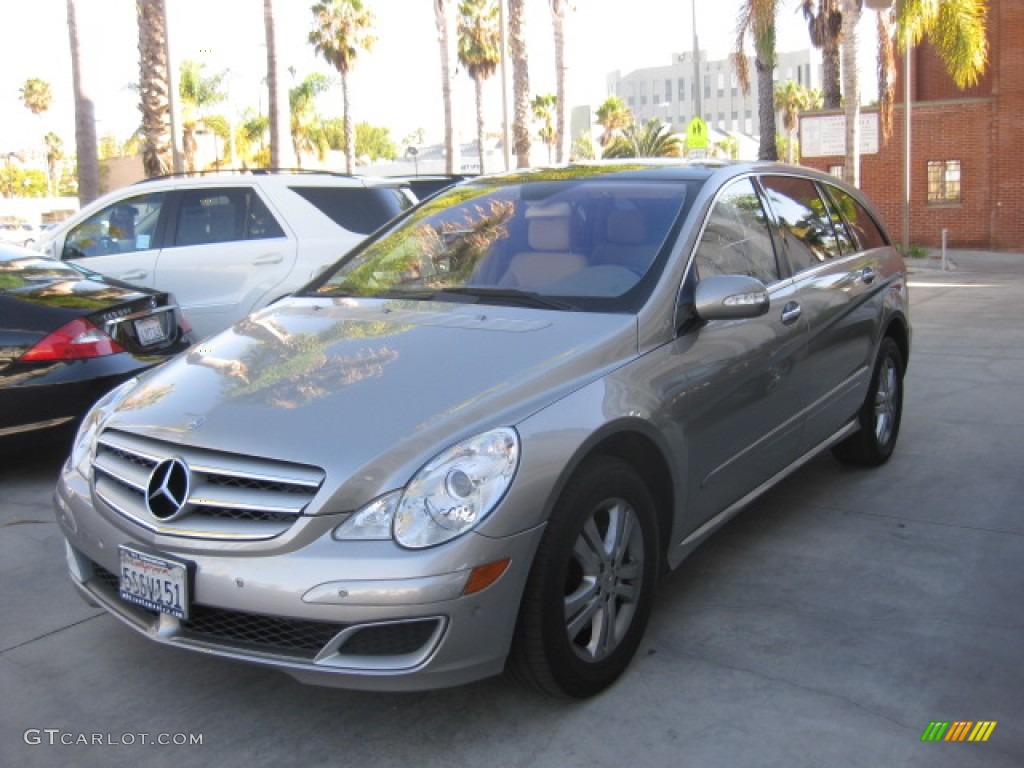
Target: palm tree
{"x": 654, "y": 139}
{"x": 790, "y": 99}
{"x": 54, "y": 154}
{"x": 442, "y": 16}
{"x": 520, "y": 81}
{"x": 308, "y": 135}
{"x": 154, "y": 88}
{"x": 479, "y": 53}
{"x": 85, "y": 118}
{"x": 957, "y": 30}
{"x": 198, "y": 93}
{"x": 278, "y": 121}
{"x": 36, "y": 95}
{"x": 559, "y": 9}
{"x": 341, "y": 30}
{"x": 543, "y": 107}
{"x": 614, "y": 116}
{"x": 757, "y": 18}
{"x": 825, "y": 24}
{"x": 250, "y": 143}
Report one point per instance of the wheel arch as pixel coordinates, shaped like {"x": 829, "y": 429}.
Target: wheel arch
{"x": 642, "y": 452}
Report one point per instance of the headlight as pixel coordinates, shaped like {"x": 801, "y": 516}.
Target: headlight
{"x": 83, "y": 449}
{"x": 448, "y": 497}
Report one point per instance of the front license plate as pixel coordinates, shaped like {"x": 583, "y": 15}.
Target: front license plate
{"x": 156, "y": 583}
{"x": 150, "y": 330}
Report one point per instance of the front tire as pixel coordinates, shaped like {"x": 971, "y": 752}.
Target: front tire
{"x": 589, "y": 593}
{"x": 879, "y": 417}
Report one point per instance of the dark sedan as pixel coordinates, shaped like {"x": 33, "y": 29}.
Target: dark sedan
{"x": 67, "y": 336}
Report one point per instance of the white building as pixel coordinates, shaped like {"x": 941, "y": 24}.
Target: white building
{"x": 671, "y": 93}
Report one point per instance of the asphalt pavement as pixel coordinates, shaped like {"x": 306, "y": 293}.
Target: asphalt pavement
{"x": 830, "y": 624}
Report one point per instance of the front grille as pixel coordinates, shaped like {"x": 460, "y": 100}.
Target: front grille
{"x": 239, "y": 629}
{"x": 264, "y": 633}
{"x": 230, "y": 496}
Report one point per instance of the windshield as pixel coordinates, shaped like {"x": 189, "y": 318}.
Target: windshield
{"x": 589, "y": 243}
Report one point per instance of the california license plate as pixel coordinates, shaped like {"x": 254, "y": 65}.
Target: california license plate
{"x": 150, "y": 330}
{"x": 154, "y": 582}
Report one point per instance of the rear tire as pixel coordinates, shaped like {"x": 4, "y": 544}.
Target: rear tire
{"x": 879, "y": 417}
{"x": 589, "y": 593}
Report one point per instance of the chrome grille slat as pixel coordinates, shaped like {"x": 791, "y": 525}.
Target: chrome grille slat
{"x": 231, "y": 496}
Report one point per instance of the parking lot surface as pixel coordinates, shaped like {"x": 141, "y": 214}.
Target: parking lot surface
{"x": 829, "y": 624}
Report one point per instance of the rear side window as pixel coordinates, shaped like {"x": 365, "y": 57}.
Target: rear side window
{"x": 864, "y": 228}
{"x": 223, "y": 215}
{"x": 804, "y": 219}
{"x": 736, "y": 240}
{"x": 357, "y": 209}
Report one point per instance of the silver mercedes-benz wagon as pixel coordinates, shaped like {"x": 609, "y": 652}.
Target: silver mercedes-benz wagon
{"x": 477, "y": 441}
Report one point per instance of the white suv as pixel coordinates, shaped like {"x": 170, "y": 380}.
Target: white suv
{"x": 226, "y": 244}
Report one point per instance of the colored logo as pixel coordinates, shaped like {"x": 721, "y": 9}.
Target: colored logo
{"x": 959, "y": 730}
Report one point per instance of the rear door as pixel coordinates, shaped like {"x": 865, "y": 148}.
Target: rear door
{"x": 224, "y": 250}
{"x": 836, "y": 286}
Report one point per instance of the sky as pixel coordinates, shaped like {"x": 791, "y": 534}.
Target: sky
{"x": 397, "y": 85}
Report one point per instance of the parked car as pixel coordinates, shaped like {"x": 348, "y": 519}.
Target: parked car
{"x": 427, "y": 184}
{"x": 19, "y": 233}
{"x": 226, "y": 244}
{"x": 478, "y": 441}
{"x": 67, "y": 336}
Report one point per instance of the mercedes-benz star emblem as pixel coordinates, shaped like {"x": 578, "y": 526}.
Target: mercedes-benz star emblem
{"x": 167, "y": 491}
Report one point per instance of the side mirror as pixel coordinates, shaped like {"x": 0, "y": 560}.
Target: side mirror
{"x": 731, "y": 297}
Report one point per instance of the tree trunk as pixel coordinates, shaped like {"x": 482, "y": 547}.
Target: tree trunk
{"x": 520, "y": 82}
{"x": 347, "y": 133}
{"x": 478, "y": 85}
{"x": 154, "y": 88}
{"x": 766, "y": 149}
{"x": 85, "y": 119}
{"x": 444, "y": 39}
{"x": 562, "y": 138}
{"x": 851, "y": 91}
{"x": 832, "y": 94}
{"x": 281, "y": 143}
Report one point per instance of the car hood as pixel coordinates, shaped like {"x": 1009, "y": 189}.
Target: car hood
{"x": 369, "y": 390}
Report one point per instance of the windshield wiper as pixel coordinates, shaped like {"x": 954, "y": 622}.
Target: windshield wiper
{"x": 490, "y": 295}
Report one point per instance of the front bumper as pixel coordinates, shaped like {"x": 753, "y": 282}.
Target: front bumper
{"x": 361, "y": 615}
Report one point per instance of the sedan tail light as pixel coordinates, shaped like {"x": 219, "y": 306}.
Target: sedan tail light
{"x": 77, "y": 340}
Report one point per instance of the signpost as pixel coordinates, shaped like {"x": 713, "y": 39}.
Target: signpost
{"x": 697, "y": 139}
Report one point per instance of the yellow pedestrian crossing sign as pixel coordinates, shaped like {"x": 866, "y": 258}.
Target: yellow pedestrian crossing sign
{"x": 697, "y": 134}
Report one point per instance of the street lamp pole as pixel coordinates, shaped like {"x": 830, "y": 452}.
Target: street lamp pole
{"x": 696, "y": 62}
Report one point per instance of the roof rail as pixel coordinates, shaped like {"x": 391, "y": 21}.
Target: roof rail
{"x": 246, "y": 172}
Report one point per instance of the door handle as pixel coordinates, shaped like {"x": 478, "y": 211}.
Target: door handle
{"x": 791, "y": 313}
{"x": 270, "y": 258}
{"x": 138, "y": 274}
{"x": 868, "y": 275}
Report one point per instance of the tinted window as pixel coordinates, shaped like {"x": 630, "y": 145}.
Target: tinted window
{"x": 737, "y": 240}
{"x": 859, "y": 220}
{"x": 357, "y": 209}
{"x": 804, "y": 219}
{"x": 223, "y": 215}
{"x": 844, "y": 239}
{"x": 124, "y": 227}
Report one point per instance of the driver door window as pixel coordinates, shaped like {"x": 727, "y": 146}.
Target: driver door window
{"x": 126, "y": 226}
{"x": 736, "y": 240}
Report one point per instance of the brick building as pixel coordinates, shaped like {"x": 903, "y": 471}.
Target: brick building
{"x": 966, "y": 147}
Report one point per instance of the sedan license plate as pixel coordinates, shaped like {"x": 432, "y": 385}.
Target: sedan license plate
{"x": 156, "y": 583}
{"x": 150, "y": 330}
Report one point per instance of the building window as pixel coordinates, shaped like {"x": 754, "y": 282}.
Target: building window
{"x": 682, "y": 89}
{"x": 707, "y": 86}
{"x": 943, "y": 181}
{"x": 668, "y": 90}
{"x": 835, "y": 170}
